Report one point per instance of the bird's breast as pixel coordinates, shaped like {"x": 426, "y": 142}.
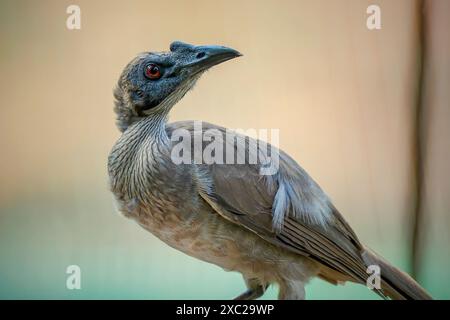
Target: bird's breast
{"x": 148, "y": 187}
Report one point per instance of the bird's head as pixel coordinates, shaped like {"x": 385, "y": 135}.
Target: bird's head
{"x": 154, "y": 81}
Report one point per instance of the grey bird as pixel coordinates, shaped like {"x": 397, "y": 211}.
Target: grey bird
{"x": 278, "y": 228}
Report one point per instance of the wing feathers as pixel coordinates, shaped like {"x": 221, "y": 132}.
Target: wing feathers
{"x": 289, "y": 210}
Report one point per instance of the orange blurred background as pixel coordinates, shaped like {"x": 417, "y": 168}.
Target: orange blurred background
{"x": 342, "y": 96}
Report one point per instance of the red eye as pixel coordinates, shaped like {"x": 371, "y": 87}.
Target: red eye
{"x": 152, "y": 71}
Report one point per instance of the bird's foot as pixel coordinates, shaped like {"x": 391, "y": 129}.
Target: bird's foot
{"x": 252, "y": 293}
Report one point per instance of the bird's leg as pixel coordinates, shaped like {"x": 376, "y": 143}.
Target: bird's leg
{"x": 255, "y": 289}
{"x": 291, "y": 290}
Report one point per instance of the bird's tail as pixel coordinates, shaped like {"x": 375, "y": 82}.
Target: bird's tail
{"x": 395, "y": 283}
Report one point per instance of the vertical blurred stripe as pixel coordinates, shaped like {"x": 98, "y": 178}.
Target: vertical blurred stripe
{"x": 435, "y": 238}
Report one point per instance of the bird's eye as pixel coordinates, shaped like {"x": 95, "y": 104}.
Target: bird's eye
{"x": 152, "y": 71}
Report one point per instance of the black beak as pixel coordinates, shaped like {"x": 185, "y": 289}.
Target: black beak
{"x": 207, "y": 56}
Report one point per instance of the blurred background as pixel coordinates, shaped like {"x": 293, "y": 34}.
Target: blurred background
{"x": 365, "y": 112}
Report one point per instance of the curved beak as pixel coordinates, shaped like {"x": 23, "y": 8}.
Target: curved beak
{"x": 207, "y": 56}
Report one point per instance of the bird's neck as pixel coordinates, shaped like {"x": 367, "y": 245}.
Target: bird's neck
{"x": 135, "y": 155}
{"x": 151, "y": 128}
{"x": 146, "y": 137}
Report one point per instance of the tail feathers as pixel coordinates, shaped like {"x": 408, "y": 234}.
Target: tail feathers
{"x": 395, "y": 283}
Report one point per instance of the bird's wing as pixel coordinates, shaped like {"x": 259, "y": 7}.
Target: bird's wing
{"x": 287, "y": 208}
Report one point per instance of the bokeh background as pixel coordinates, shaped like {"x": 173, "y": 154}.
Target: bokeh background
{"x": 343, "y": 97}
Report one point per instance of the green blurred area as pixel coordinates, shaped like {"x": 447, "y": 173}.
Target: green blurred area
{"x": 118, "y": 259}
{"x": 40, "y": 238}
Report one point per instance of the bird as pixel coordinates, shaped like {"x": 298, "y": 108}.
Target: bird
{"x": 274, "y": 228}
